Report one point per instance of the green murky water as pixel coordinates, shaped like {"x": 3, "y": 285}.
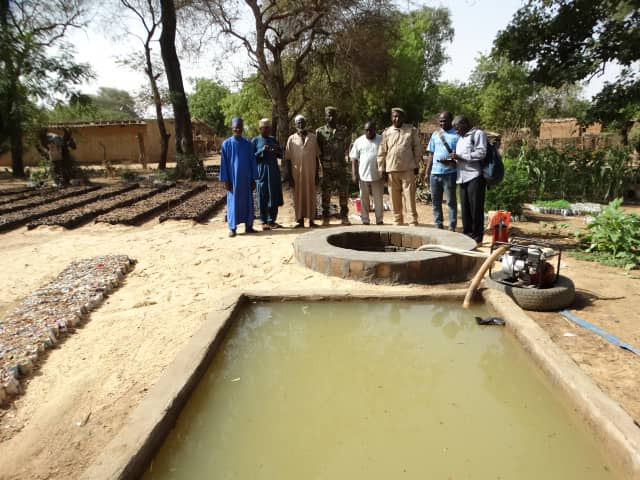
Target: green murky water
{"x": 374, "y": 391}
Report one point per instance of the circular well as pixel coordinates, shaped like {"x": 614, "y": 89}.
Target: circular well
{"x": 384, "y": 254}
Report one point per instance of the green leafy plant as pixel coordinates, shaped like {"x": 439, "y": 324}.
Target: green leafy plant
{"x": 129, "y": 175}
{"x": 613, "y": 238}
{"x": 189, "y": 166}
{"x": 575, "y": 173}
{"x": 554, "y": 228}
{"x": 634, "y": 139}
{"x": 166, "y": 175}
{"x": 43, "y": 174}
{"x": 512, "y": 193}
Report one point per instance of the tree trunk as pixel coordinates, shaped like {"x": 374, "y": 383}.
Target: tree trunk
{"x": 11, "y": 103}
{"x": 157, "y": 101}
{"x": 624, "y": 132}
{"x": 164, "y": 144}
{"x": 15, "y": 137}
{"x": 184, "y": 135}
{"x": 279, "y": 111}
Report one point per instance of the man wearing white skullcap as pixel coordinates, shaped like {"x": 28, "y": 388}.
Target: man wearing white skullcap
{"x": 303, "y": 168}
{"x": 268, "y": 186}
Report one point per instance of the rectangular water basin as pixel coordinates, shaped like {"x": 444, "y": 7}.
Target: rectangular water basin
{"x": 370, "y": 390}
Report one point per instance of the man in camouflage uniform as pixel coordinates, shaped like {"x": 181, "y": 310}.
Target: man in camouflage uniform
{"x": 334, "y": 142}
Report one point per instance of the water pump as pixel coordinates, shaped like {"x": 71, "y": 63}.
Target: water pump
{"x": 526, "y": 263}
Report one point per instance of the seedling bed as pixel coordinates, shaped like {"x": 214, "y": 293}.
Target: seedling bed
{"x": 43, "y": 317}
{"x": 14, "y": 197}
{"x": 13, "y": 220}
{"x": 78, "y": 216}
{"x": 46, "y": 197}
{"x": 140, "y": 211}
{"x": 11, "y": 191}
{"x": 199, "y": 207}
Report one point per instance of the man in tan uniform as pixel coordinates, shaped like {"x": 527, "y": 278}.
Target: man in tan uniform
{"x": 399, "y": 155}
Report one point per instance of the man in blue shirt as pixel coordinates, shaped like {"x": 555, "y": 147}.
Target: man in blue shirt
{"x": 441, "y": 170}
{"x": 239, "y": 172}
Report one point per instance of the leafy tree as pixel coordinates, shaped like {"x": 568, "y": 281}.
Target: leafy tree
{"x": 108, "y": 104}
{"x": 458, "y": 98}
{"x": 419, "y": 53}
{"x": 614, "y": 105}
{"x": 572, "y": 40}
{"x": 251, "y": 102}
{"x": 506, "y": 97}
{"x": 282, "y": 38}
{"x": 501, "y": 96}
{"x": 148, "y": 12}
{"x": 408, "y": 51}
{"x": 205, "y": 104}
{"x": 29, "y": 70}
{"x": 115, "y": 100}
{"x": 182, "y": 117}
{"x": 564, "y": 101}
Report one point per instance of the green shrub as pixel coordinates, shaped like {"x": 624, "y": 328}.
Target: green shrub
{"x": 634, "y": 139}
{"x": 166, "y": 175}
{"x": 129, "y": 175}
{"x": 512, "y": 193}
{"x": 44, "y": 172}
{"x": 190, "y": 166}
{"x": 575, "y": 173}
{"x": 613, "y": 238}
{"x": 553, "y": 203}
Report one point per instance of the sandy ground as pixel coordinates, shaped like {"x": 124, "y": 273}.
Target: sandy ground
{"x": 85, "y": 389}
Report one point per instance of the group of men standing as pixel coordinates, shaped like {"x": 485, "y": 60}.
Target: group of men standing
{"x": 455, "y": 153}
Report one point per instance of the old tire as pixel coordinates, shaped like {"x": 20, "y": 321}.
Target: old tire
{"x": 557, "y": 297}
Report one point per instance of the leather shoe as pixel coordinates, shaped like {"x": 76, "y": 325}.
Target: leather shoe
{"x": 232, "y": 233}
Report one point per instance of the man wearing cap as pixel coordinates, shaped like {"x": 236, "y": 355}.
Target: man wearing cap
{"x": 239, "y": 172}
{"x": 268, "y": 186}
{"x": 399, "y": 155}
{"x": 302, "y": 155}
{"x": 334, "y": 143}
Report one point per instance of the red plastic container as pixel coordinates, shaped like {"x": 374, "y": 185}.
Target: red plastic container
{"x": 500, "y": 222}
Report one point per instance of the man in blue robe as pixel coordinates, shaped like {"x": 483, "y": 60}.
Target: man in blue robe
{"x": 268, "y": 186}
{"x": 239, "y": 171}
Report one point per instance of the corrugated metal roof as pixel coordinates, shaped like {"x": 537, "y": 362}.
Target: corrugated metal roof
{"x": 558, "y": 120}
{"x": 98, "y": 123}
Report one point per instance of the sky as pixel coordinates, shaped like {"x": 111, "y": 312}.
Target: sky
{"x": 476, "y": 23}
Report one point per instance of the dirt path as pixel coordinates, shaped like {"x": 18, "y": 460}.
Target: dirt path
{"x": 84, "y": 391}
